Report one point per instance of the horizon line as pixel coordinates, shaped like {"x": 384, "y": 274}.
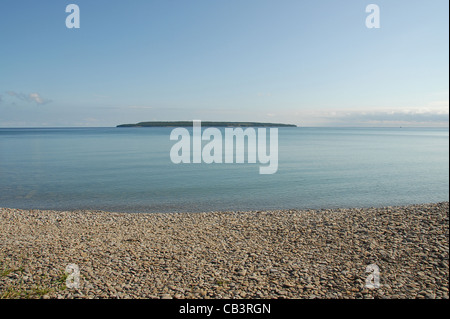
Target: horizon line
{"x": 298, "y": 126}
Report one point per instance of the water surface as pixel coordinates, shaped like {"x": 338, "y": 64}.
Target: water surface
{"x": 129, "y": 169}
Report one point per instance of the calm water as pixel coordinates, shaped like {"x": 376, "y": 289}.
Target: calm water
{"x": 129, "y": 169}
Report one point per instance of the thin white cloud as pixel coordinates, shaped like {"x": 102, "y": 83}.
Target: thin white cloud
{"x": 429, "y": 116}
{"x": 425, "y": 116}
{"x": 31, "y": 97}
{"x": 443, "y": 104}
{"x": 36, "y": 98}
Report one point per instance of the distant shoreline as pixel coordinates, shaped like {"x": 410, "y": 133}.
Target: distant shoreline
{"x": 206, "y": 123}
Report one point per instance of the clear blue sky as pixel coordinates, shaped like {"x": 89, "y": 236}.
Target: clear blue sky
{"x": 312, "y": 63}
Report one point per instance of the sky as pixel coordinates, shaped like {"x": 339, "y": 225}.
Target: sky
{"x": 309, "y": 63}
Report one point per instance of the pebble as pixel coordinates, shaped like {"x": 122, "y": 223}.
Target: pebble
{"x": 265, "y": 254}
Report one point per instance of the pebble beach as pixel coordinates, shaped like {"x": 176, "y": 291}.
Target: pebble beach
{"x": 293, "y": 254}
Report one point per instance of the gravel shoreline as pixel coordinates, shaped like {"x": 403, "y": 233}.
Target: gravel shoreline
{"x": 267, "y": 254}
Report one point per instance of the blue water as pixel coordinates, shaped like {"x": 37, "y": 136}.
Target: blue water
{"x": 129, "y": 169}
